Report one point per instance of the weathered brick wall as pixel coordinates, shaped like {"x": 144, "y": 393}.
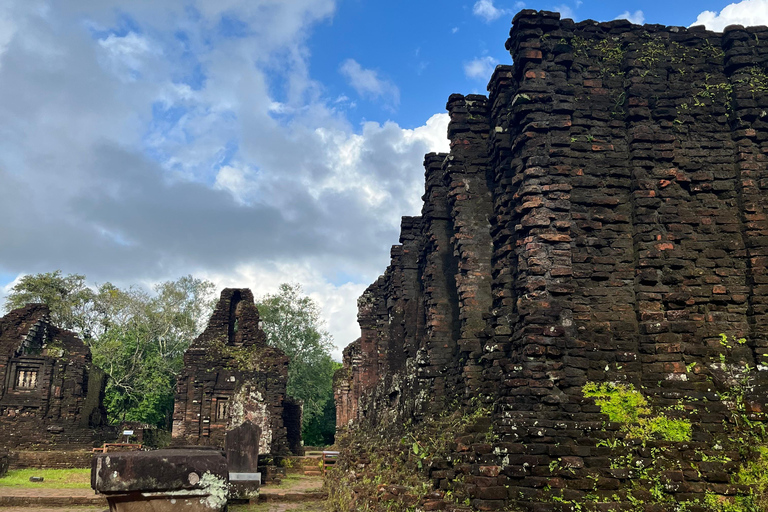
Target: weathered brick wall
{"x": 50, "y": 459}
{"x": 231, "y": 376}
{"x": 600, "y": 218}
{"x": 62, "y": 405}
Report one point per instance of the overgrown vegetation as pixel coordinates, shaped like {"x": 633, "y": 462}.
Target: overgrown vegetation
{"x": 609, "y": 53}
{"x": 272, "y": 507}
{"x": 644, "y": 448}
{"x": 390, "y": 471}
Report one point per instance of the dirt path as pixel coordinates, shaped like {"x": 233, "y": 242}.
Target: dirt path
{"x": 31, "y": 491}
{"x": 296, "y": 482}
{"x": 296, "y": 493}
{"x": 53, "y": 509}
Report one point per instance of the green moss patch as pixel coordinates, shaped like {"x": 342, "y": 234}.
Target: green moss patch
{"x": 624, "y": 404}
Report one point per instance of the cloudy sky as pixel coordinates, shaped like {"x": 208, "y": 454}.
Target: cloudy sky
{"x": 250, "y": 142}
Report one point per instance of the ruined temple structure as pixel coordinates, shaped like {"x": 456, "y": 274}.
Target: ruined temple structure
{"x": 50, "y": 393}
{"x": 231, "y": 376}
{"x": 600, "y": 218}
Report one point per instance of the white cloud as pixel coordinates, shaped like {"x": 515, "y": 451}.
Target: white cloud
{"x": 353, "y": 156}
{"x": 566, "y": 11}
{"x": 238, "y": 181}
{"x": 434, "y": 134}
{"x": 636, "y": 17}
{"x": 130, "y": 48}
{"x": 368, "y": 84}
{"x": 337, "y": 301}
{"x": 216, "y": 175}
{"x": 487, "y": 11}
{"x": 6, "y": 289}
{"x": 375, "y": 165}
{"x": 7, "y": 28}
{"x": 746, "y": 12}
{"x": 480, "y": 68}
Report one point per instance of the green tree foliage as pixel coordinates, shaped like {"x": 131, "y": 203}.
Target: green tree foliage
{"x": 292, "y": 323}
{"x": 137, "y": 338}
{"x": 321, "y": 430}
{"x": 144, "y": 342}
{"x": 67, "y": 296}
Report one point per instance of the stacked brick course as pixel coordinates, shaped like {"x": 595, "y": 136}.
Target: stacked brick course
{"x": 50, "y": 393}
{"x": 601, "y": 217}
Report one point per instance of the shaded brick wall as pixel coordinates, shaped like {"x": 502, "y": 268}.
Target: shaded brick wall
{"x": 600, "y": 217}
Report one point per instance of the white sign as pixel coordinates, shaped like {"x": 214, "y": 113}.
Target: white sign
{"x": 127, "y": 432}
{"x": 245, "y": 477}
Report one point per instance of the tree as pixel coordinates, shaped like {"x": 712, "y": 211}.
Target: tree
{"x": 321, "y": 430}
{"x": 68, "y": 298}
{"x": 292, "y": 323}
{"x": 137, "y": 338}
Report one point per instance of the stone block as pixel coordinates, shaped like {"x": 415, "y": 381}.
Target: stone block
{"x": 161, "y": 480}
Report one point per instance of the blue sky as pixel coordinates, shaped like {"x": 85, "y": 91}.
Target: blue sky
{"x": 425, "y": 51}
{"x": 250, "y": 142}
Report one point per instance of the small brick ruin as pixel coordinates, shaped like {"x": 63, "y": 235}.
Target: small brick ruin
{"x": 231, "y": 376}
{"x": 50, "y": 392}
{"x": 601, "y": 217}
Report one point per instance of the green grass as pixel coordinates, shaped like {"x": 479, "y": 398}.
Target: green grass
{"x": 53, "y": 478}
{"x": 313, "y": 506}
{"x": 298, "y": 483}
{"x": 289, "y": 480}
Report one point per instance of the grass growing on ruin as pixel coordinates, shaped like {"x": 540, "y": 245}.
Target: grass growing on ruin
{"x": 53, "y": 478}
{"x": 749, "y": 436}
{"x": 279, "y": 507}
{"x": 379, "y": 472}
{"x": 299, "y": 483}
{"x": 753, "y": 474}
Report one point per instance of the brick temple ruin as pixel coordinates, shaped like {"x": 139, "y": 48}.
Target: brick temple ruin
{"x": 230, "y": 377}
{"x": 601, "y": 217}
{"x": 50, "y": 392}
